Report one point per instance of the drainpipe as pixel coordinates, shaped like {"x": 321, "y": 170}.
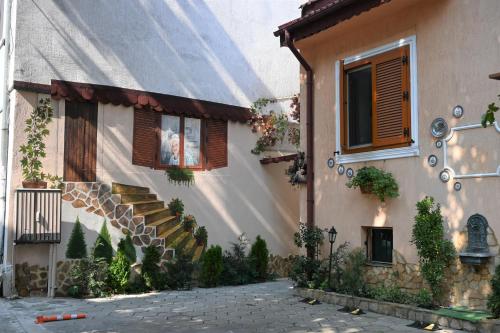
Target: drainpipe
{"x": 309, "y": 134}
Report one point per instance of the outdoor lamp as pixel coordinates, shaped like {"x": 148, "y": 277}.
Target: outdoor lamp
{"x": 332, "y": 235}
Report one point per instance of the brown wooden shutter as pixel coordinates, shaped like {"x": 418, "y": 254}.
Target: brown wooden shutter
{"x": 145, "y": 142}
{"x": 391, "y": 98}
{"x": 216, "y": 143}
{"x": 343, "y": 108}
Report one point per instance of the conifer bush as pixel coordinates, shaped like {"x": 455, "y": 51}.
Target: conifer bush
{"x": 494, "y": 298}
{"x": 151, "y": 269}
{"x": 180, "y": 271}
{"x": 77, "y": 248}
{"x": 102, "y": 246}
{"x": 119, "y": 272}
{"x": 259, "y": 258}
{"x": 211, "y": 267}
{"x": 127, "y": 247}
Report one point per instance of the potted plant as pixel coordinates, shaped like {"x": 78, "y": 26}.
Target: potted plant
{"x": 188, "y": 223}
{"x": 201, "y": 235}
{"x": 34, "y": 148}
{"x": 298, "y": 170}
{"x": 372, "y": 180}
{"x": 176, "y": 207}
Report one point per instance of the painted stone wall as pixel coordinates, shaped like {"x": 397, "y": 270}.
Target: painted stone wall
{"x": 31, "y": 280}
{"x": 465, "y": 285}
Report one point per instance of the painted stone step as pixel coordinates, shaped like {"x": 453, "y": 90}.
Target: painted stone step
{"x": 137, "y": 198}
{"x": 190, "y": 247}
{"x": 118, "y": 188}
{"x": 165, "y": 224}
{"x": 198, "y": 252}
{"x": 146, "y": 206}
{"x": 181, "y": 240}
{"x": 155, "y": 215}
{"x": 170, "y": 233}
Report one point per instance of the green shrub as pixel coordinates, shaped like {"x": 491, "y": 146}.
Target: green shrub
{"x": 339, "y": 257}
{"x": 176, "y": 207}
{"x": 423, "y": 299}
{"x": 180, "y": 271}
{"x": 494, "y": 298}
{"x": 309, "y": 237}
{"x": 352, "y": 278}
{"x": 89, "y": 275}
{"x": 77, "y": 248}
{"x": 259, "y": 258}
{"x": 127, "y": 247}
{"x": 305, "y": 272}
{"x": 201, "y": 235}
{"x": 151, "y": 269}
{"x": 211, "y": 267}
{"x": 376, "y": 181}
{"x": 435, "y": 253}
{"x": 236, "y": 269}
{"x": 391, "y": 294}
{"x": 188, "y": 222}
{"x": 102, "y": 246}
{"x": 119, "y": 272}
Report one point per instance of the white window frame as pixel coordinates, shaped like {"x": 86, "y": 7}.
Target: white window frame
{"x": 382, "y": 154}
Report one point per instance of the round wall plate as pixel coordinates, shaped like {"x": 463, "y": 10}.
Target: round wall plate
{"x": 458, "y": 111}
{"x": 457, "y": 186}
{"x": 432, "y": 160}
{"x": 330, "y": 162}
{"x": 340, "y": 169}
{"x": 349, "y": 173}
{"x": 439, "y": 144}
{"x": 439, "y": 128}
{"x": 444, "y": 176}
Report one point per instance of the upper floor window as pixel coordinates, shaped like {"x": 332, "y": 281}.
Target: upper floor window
{"x": 180, "y": 141}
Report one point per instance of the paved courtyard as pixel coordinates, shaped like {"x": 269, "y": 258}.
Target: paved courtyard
{"x": 266, "y": 307}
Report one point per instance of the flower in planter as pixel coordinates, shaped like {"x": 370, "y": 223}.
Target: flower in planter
{"x": 176, "y": 207}
{"x": 201, "y": 235}
{"x": 188, "y": 222}
{"x": 372, "y": 180}
{"x": 298, "y": 170}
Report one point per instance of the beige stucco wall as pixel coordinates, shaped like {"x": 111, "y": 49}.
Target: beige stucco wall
{"x": 458, "y": 43}
{"x": 243, "y": 197}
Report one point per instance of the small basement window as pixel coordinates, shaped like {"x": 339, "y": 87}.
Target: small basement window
{"x": 379, "y": 245}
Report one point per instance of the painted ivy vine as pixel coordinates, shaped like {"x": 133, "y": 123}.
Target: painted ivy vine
{"x": 489, "y": 116}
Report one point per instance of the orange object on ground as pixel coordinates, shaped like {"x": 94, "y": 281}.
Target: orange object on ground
{"x": 45, "y": 319}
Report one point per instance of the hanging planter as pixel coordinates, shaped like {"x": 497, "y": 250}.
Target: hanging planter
{"x": 298, "y": 170}
{"x": 180, "y": 176}
{"x": 371, "y": 180}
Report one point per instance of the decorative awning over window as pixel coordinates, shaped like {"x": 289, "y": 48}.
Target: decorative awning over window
{"x": 85, "y": 92}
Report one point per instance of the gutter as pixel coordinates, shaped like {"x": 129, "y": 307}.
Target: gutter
{"x": 309, "y": 133}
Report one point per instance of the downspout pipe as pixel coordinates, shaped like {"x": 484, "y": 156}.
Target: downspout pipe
{"x": 309, "y": 134}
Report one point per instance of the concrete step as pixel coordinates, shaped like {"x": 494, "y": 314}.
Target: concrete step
{"x": 198, "y": 252}
{"x": 117, "y": 188}
{"x": 155, "y": 215}
{"x": 170, "y": 233}
{"x": 137, "y": 198}
{"x": 147, "y": 206}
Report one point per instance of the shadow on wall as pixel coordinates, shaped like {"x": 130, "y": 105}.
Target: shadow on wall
{"x": 155, "y": 46}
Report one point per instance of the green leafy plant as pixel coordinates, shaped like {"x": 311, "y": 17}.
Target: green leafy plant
{"x": 77, "y": 248}
{"x": 489, "y": 116}
{"x": 305, "y": 272}
{"x": 434, "y": 251}
{"x": 201, "y": 235}
{"x": 376, "y": 181}
{"x": 391, "y": 294}
{"x": 180, "y": 271}
{"x": 309, "y": 237}
{"x": 236, "y": 268}
{"x": 55, "y": 182}
{"x": 119, "y": 272}
{"x": 297, "y": 171}
{"x": 34, "y": 148}
{"x": 151, "y": 272}
{"x": 180, "y": 176}
{"x": 126, "y": 246}
{"x": 339, "y": 257}
{"x": 102, "y": 246}
{"x": 259, "y": 258}
{"x": 89, "y": 277}
{"x": 176, "y": 207}
{"x": 423, "y": 299}
{"x": 189, "y": 222}
{"x": 494, "y": 298}
{"x": 352, "y": 277}
{"x": 211, "y": 267}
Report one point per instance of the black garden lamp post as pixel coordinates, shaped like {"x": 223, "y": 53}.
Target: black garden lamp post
{"x": 332, "y": 235}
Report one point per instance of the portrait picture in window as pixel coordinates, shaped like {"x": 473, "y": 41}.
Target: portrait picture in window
{"x": 192, "y": 128}
{"x": 170, "y": 140}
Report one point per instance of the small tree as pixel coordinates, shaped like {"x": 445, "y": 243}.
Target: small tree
{"x": 77, "y": 248}
{"x": 151, "y": 268}
{"x": 494, "y": 298}
{"x": 119, "y": 272}
{"x": 127, "y": 247}
{"x": 259, "y": 258}
{"x": 435, "y": 253}
{"x": 102, "y": 246}
{"x": 180, "y": 271}
{"x": 211, "y": 266}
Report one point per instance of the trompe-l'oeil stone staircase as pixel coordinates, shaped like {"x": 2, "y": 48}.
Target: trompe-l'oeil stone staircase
{"x": 135, "y": 210}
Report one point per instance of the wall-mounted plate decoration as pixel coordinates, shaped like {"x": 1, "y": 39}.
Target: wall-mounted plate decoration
{"x": 349, "y": 173}
{"x": 432, "y": 160}
{"x": 340, "y": 169}
{"x": 439, "y": 128}
{"x": 458, "y": 111}
{"x": 330, "y": 163}
{"x": 439, "y": 144}
{"x": 444, "y": 176}
{"x": 457, "y": 186}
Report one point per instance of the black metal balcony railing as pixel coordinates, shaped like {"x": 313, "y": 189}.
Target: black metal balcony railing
{"x": 38, "y": 216}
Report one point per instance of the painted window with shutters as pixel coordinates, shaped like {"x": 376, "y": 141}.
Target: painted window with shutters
{"x": 377, "y": 103}
{"x": 164, "y": 140}
{"x": 376, "y": 108}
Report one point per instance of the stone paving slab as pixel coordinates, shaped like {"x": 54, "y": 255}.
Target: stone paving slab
{"x": 261, "y": 308}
